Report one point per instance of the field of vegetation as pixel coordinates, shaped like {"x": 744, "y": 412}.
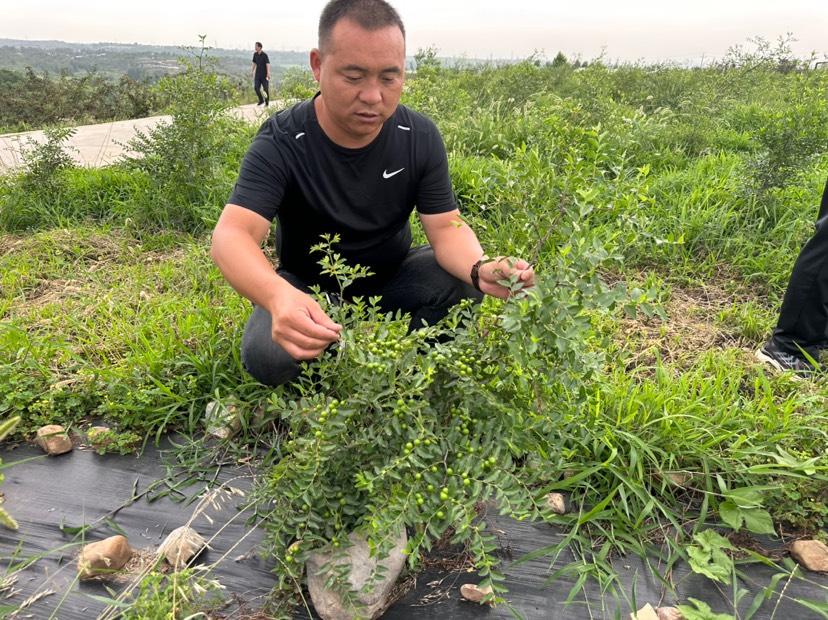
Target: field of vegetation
{"x": 663, "y": 208}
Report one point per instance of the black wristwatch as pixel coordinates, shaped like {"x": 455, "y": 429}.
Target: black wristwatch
{"x": 475, "y": 274}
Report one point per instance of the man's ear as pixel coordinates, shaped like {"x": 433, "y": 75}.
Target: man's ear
{"x": 315, "y": 62}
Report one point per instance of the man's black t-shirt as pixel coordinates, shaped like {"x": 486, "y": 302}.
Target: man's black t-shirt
{"x": 261, "y": 61}
{"x": 293, "y": 171}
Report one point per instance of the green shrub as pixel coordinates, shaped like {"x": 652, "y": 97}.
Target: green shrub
{"x": 188, "y": 593}
{"x": 297, "y": 84}
{"x": 185, "y": 159}
{"x": 7, "y": 427}
{"x": 414, "y": 429}
{"x": 32, "y": 101}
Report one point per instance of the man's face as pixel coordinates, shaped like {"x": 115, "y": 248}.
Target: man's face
{"x": 258, "y": 48}
{"x": 360, "y": 75}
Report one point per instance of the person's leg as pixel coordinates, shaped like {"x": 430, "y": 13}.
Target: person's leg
{"x": 257, "y": 84}
{"x": 266, "y": 87}
{"x": 265, "y": 360}
{"x": 424, "y": 290}
{"x": 803, "y": 319}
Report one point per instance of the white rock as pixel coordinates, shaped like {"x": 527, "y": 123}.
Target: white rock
{"x": 812, "y": 554}
{"x": 103, "y": 557}
{"x": 221, "y": 420}
{"x": 679, "y": 478}
{"x": 181, "y": 545}
{"x": 53, "y": 439}
{"x": 556, "y": 503}
{"x": 329, "y": 604}
{"x": 474, "y": 593}
{"x": 94, "y": 431}
{"x": 645, "y": 613}
{"x": 669, "y": 613}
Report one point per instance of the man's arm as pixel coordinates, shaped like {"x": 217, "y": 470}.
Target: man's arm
{"x": 268, "y": 72}
{"x": 253, "y": 70}
{"x": 456, "y": 248}
{"x": 298, "y": 323}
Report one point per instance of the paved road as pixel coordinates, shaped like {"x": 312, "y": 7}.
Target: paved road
{"x": 99, "y": 145}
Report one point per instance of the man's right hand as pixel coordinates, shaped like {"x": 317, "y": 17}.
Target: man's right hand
{"x": 300, "y": 326}
{"x": 298, "y": 323}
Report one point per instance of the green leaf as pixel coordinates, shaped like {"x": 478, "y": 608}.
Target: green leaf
{"x": 7, "y": 426}
{"x": 746, "y": 497}
{"x": 701, "y": 611}
{"x": 788, "y": 460}
{"x": 598, "y": 507}
{"x": 708, "y": 557}
{"x": 731, "y": 515}
{"x": 7, "y": 520}
{"x": 758, "y": 521}
{"x": 821, "y": 608}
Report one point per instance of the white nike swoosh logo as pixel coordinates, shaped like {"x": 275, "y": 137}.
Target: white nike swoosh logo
{"x": 388, "y": 175}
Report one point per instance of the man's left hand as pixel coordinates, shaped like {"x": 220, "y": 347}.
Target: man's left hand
{"x": 503, "y": 268}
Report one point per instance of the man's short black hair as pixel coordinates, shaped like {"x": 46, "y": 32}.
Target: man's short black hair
{"x": 258, "y": 43}
{"x": 370, "y": 14}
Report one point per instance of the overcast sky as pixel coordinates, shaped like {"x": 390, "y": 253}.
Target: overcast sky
{"x": 631, "y": 30}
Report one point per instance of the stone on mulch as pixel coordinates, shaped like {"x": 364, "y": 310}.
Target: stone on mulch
{"x": 221, "y": 420}
{"x": 103, "y": 557}
{"x": 53, "y": 439}
{"x": 645, "y": 613}
{"x": 373, "y": 603}
{"x": 181, "y": 545}
{"x": 812, "y": 554}
{"x": 474, "y": 593}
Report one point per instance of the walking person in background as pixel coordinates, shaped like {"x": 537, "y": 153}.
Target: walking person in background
{"x": 803, "y": 321}
{"x": 261, "y": 75}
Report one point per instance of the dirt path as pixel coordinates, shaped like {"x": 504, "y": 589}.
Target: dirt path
{"x": 99, "y": 145}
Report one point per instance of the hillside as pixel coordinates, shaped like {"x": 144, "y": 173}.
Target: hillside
{"x": 136, "y": 60}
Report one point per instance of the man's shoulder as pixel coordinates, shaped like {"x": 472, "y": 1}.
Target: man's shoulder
{"x": 411, "y": 120}
{"x": 289, "y": 121}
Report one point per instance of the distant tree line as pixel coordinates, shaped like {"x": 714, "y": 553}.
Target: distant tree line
{"x": 137, "y": 61}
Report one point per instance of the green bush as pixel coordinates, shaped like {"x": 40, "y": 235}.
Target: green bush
{"x": 413, "y": 429}
{"x": 184, "y": 159}
{"x": 32, "y": 101}
{"x": 297, "y": 84}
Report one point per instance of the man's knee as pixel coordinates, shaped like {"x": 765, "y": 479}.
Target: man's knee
{"x": 459, "y": 291}
{"x": 448, "y": 290}
{"x": 265, "y": 360}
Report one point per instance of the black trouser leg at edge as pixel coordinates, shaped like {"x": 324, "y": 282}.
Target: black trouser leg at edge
{"x": 420, "y": 287}
{"x": 261, "y": 84}
{"x": 803, "y": 320}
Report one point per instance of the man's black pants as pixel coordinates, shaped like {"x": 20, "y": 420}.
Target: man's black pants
{"x": 803, "y": 320}
{"x": 262, "y": 84}
{"x": 420, "y": 288}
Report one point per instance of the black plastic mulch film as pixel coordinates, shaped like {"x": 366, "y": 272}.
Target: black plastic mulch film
{"x": 52, "y": 496}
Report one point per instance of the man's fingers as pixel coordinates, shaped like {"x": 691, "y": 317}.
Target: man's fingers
{"x": 300, "y": 340}
{"x": 301, "y": 346}
{"x": 304, "y": 323}
{"x": 320, "y": 318}
{"x": 299, "y": 353}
